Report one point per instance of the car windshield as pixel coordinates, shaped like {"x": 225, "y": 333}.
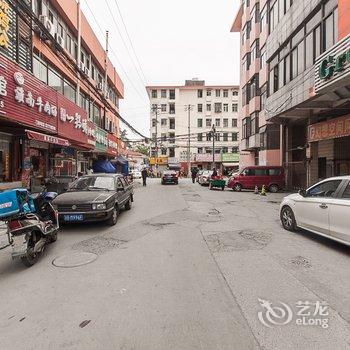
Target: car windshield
{"x": 169, "y": 173}
{"x": 91, "y": 183}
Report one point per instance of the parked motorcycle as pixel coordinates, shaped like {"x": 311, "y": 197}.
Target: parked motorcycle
{"x": 32, "y": 223}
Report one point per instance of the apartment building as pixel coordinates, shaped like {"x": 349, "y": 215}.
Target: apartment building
{"x": 193, "y": 109}
{"x": 57, "y": 109}
{"x": 303, "y": 47}
{"x": 260, "y": 139}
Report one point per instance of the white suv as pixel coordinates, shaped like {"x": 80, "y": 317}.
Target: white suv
{"x": 323, "y": 209}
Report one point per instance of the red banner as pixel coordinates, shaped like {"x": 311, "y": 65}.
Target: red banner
{"x": 112, "y": 144}
{"x": 33, "y": 135}
{"x": 330, "y": 129}
{"x": 25, "y": 99}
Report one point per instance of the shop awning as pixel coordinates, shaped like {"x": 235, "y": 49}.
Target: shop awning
{"x": 230, "y": 165}
{"x": 33, "y": 135}
{"x": 120, "y": 159}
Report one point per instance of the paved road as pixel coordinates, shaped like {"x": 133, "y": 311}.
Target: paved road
{"x": 184, "y": 269}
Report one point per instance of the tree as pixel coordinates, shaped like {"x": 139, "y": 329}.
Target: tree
{"x": 142, "y": 149}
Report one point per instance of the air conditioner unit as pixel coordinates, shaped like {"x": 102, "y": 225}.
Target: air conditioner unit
{"x": 59, "y": 40}
{"x": 82, "y": 67}
{"x": 87, "y": 71}
{"x": 100, "y": 86}
{"x": 48, "y": 24}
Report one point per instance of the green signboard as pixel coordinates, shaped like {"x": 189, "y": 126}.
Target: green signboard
{"x": 332, "y": 64}
{"x": 230, "y": 157}
{"x": 101, "y": 139}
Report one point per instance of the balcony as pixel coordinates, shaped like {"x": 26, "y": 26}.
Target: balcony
{"x": 263, "y": 36}
{"x": 263, "y": 75}
{"x": 255, "y": 32}
{"x": 254, "y": 142}
{"x": 254, "y": 104}
{"x": 254, "y": 68}
{"x": 245, "y": 48}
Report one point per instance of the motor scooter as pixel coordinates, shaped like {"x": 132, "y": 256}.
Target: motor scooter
{"x": 29, "y": 232}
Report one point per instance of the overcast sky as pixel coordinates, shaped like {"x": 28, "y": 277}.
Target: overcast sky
{"x": 174, "y": 40}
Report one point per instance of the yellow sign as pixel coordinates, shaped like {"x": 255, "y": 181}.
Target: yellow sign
{"x": 159, "y": 160}
{"x": 4, "y": 23}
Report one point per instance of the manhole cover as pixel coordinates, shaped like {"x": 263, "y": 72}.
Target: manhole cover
{"x": 74, "y": 259}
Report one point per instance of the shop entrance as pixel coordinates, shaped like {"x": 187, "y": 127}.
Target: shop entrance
{"x": 342, "y": 156}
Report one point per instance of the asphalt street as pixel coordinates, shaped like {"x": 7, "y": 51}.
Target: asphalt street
{"x": 185, "y": 268}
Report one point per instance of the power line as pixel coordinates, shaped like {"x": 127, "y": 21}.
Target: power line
{"x": 130, "y": 41}
{"x": 114, "y": 54}
{"x": 126, "y": 46}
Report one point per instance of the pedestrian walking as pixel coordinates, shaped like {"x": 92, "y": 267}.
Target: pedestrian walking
{"x": 215, "y": 173}
{"x": 144, "y": 176}
{"x": 194, "y": 174}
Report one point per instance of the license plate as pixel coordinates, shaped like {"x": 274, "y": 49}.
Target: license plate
{"x": 73, "y": 217}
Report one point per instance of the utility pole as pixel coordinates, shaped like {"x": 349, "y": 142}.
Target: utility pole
{"x": 105, "y": 90}
{"x": 188, "y": 108}
{"x": 79, "y": 49}
{"x": 213, "y": 133}
{"x": 155, "y": 111}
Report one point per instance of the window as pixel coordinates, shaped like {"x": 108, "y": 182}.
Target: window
{"x": 208, "y": 92}
{"x": 208, "y": 136}
{"x": 225, "y": 92}
{"x": 171, "y": 137}
{"x": 274, "y": 172}
{"x": 208, "y": 107}
{"x": 263, "y": 58}
{"x": 200, "y": 137}
{"x": 301, "y": 64}
{"x": 255, "y": 51}
{"x": 171, "y": 152}
{"x": 163, "y": 137}
{"x": 346, "y": 193}
{"x": 218, "y": 107}
{"x": 224, "y": 149}
{"x": 163, "y": 151}
{"x": 254, "y": 123}
{"x": 263, "y": 18}
{"x": 154, "y": 94}
{"x": 328, "y": 32}
{"x": 154, "y": 122}
{"x": 234, "y": 136}
{"x": 225, "y": 137}
{"x": 172, "y": 123}
{"x": 163, "y": 122}
{"x": 225, "y": 107}
{"x": 163, "y": 93}
{"x": 163, "y": 107}
{"x": 234, "y": 149}
{"x": 234, "y": 107}
{"x": 256, "y": 14}
{"x": 217, "y": 122}
{"x": 40, "y": 69}
{"x": 248, "y": 172}
{"x": 234, "y": 123}
{"x": 208, "y": 123}
{"x": 172, "y": 94}
{"x": 309, "y": 45}
{"x": 246, "y": 61}
{"x": 325, "y": 189}
{"x": 225, "y": 122}
{"x": 171, "y": 108}
{"x": 200, "y": 108}
{"x": 217, "y": 92}
{"x": 200, "y": 150}
{"x": 69, "y": 91}
{"x": 287, "y": 69}
{"x": 199, "y": 123}
{"x": 274, "y": 79}
{"x": 200, "y": 93}
{"x": 217, "y": 138}
{"x": 294, "y": 63}
{"x": 235, "y": 93}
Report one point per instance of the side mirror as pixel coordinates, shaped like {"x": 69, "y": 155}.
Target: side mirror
{"x": 302, "y": 193}
{"x": 120, "y": 189}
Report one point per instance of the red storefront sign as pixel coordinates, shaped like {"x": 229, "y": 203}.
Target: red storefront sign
{"x": 25, "y": 99}
{"x": 33, "y": 135}
{"x": 73, "y": 123}
{"x": 330, "y": 129}
{"x": 112, "y": 144}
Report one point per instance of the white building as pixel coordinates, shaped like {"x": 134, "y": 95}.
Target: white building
{"x": 209, "y": 105}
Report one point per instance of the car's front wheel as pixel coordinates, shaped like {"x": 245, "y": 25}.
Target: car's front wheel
{"x": 128, "y": 204}
{"x": 288, "y": 219}
{"x": 114, "y": 217}
{"x": 273, "y": 188}
{"x": 237, "y": 187}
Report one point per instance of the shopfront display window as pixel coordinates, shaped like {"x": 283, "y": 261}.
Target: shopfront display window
{"x": 5, "y": 157}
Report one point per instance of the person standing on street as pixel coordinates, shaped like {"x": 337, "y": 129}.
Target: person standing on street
{"x": 194, "y": 174}
{"x": 144, "y": 176}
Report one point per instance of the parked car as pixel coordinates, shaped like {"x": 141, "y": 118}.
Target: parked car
{"x": 136, "y": 174}
{"x": 170, "y": 177}
{"x": 96, "y": 197}
{"x": 323, "y": 209}
{"x": 204, "y": 178}
{"x": 273, "y": 177}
